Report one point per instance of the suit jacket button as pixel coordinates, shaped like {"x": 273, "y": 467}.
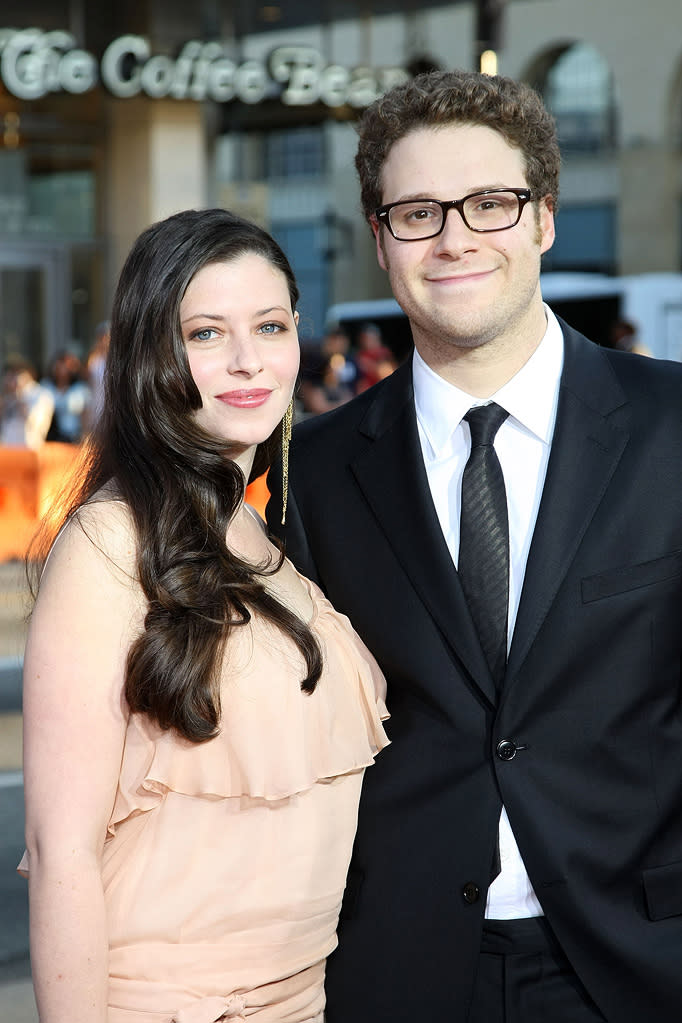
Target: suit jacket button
{"x": 506, "y": 749}
{"x": 470, "y": 892}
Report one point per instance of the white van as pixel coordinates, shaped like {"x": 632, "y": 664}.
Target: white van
{"x": 589, "y": 302}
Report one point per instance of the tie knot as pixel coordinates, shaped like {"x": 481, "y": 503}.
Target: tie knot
{"x": 484, "y": 422}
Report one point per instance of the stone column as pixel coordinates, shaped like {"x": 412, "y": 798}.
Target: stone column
{"x": 155, "y": 164}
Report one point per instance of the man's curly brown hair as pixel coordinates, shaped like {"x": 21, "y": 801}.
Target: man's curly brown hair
{"x": 441, "y": 98}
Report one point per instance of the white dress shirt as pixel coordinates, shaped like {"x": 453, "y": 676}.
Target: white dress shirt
{"x": 522, "y": 444}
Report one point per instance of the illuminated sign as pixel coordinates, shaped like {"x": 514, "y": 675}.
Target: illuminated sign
{"x": 34, "y": 64}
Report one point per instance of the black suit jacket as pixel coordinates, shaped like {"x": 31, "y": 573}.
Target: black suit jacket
{"x": 592, "y": 696}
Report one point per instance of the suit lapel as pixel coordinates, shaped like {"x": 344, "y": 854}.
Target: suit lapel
{"x": 393, "y": 479}
{"x": 591, "y": 433}
{"x": 590, "y": 436}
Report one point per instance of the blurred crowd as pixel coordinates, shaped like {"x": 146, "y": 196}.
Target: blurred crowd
{"x": 62, "y": 405}
{"x": 334, "y": 371}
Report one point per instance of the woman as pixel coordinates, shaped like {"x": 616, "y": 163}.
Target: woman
{"x": 197, "y": 717}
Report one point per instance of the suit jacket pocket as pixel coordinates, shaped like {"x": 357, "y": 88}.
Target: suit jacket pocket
{"x": 631, "y": 577}
{"x": 663, "y": 890}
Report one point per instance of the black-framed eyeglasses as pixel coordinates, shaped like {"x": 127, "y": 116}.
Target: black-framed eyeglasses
{"x": 495, "y": 209}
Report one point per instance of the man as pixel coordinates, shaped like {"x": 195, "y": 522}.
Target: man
{"x": 519, "y": 847}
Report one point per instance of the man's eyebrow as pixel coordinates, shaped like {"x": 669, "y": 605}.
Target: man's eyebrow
{"x": 416, "y": 196}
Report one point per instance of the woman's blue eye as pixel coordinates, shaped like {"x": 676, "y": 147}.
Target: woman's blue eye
{"x": 271, "y": 328}
{"x": 204, "y": 335}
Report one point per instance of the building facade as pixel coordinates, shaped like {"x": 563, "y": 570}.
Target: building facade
{"x": 111, "y": 119}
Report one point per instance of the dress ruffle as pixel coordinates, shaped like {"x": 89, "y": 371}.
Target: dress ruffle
{"x": 275, "y": 741}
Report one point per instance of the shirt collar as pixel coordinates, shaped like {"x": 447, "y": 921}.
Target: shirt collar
{"x": 530, "y": 396}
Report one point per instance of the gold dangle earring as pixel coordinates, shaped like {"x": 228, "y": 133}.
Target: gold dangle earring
{"x": 287, "y": 423}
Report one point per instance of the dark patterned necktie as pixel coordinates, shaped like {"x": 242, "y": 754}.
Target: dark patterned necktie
{"x": 483, "y": 564}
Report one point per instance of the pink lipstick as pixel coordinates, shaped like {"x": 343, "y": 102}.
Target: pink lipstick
{"x": 249, "y": 397}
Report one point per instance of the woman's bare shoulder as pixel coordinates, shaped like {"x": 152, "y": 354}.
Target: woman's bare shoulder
{"x": 101, "y": 532}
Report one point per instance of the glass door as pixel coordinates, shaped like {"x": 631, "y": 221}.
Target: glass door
{"x": 35, "y": 300}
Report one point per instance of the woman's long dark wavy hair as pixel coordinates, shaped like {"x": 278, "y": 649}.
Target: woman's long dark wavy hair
{"x": 180, "y": 485}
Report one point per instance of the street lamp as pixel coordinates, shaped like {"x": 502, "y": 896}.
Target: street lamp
{"x": 489, "y": 17}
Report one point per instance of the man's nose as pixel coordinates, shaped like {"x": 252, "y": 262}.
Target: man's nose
{"x": 455, "y": 236}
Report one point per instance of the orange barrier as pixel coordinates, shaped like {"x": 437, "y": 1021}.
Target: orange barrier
{"x": 29, "y": 480}
{"x": 258, "y": 495}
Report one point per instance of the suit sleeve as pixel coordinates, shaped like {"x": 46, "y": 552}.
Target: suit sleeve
{"x": 292, "y": 533}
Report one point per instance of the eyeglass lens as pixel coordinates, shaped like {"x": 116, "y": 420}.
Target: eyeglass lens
{"x": 492, "y": 211}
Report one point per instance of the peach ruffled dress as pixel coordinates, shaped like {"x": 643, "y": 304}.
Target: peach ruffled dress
{"x": 225, "y": 862}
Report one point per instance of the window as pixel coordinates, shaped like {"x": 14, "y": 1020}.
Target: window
{"x": 579, "y": 91}
{"x": 585, "y": 239}
{"x": 295, "y": 153}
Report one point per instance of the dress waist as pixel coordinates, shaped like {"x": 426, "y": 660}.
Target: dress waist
{"x": 298, "y": 998}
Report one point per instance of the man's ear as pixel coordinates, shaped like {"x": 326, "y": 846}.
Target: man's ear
{"x": 376, "y": 231}
{"x": 546, "y": 223}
